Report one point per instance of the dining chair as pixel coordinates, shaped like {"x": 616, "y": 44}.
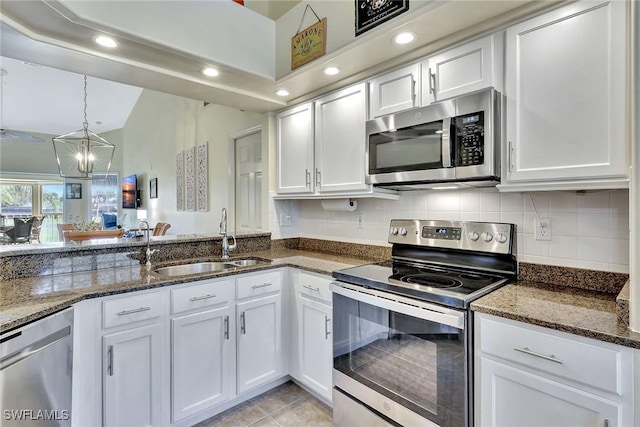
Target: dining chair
{"x": 161, "y": 229}
{"x": 21, "y": 231}
{"x": 36, "y": 226}
{"x": 63, "y": 228}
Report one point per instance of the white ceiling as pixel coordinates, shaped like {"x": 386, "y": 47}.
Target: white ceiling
{"x": 46, "y": 100}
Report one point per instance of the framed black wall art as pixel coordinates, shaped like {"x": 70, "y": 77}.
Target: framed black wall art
{"x": 73, "y": 191}
{"x": 371, "y": 13}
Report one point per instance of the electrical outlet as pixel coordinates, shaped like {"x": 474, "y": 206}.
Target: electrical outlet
{"x": 360, "y": 219}
{"x": 285, "y": 220}
{"x": 543, "y": 228}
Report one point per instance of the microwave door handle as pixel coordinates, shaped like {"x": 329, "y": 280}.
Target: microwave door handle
{"x": 446, "y": 142}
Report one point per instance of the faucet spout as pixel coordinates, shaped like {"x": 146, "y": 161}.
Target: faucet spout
{"x": 225, "y": 240}
{"x": 148, "y": 252}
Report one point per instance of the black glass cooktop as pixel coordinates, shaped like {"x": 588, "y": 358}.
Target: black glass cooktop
{"x": 447, "y": 286}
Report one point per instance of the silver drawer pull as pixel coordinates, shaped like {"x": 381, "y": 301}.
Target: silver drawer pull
{"x": 550, "y": 358}
{"x": 327, "y": 332}
{"x": 136, "y": 310}
{"x": 264, "y": 285}
{"x": 311, "y": 288}
{"x": 203, "y": 297}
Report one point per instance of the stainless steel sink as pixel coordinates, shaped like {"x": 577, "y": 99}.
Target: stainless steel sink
{"x": 207, "y": 267}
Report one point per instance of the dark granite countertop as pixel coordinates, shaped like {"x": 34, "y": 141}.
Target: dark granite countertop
{"x": 26, "y": 299}
{"x": 577, "y": 311}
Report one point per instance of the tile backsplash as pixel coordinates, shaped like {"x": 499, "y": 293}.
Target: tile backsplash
{"x": 588, "y": 230}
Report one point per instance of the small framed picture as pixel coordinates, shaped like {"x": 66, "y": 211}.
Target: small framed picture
{"x": 73, "y": 191}
{"x": 153, "y": 188}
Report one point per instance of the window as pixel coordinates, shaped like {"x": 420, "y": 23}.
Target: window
{"x": 16, "y": 200}
{"x": 104, "y": 195}
{"x": 51, "y": 200}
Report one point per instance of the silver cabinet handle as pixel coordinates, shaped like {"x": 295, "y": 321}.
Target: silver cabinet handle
{"x": 311, "y": 288}
{"x": 34, "y": 348}
{"x": 607, "y": 423}
{"x": 318, "y": 177}
{"x": 510, "y": 155}
{"x": 307, "y": 178}
{"x": 110, "y": 360}
{"x": 226, "y": 327}
{"x": 413, "y": 89}
{"x": 203, "y": 297}
{"x": 243, "y": 328}
{"x": 327, "y": 332}
{"x": 550, "y": 358}
{"x": 264, "y": 285}
{"x": 432, "y": 82}
{"x": 135, "y": 310}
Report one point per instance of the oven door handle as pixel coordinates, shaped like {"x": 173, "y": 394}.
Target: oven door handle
{"x": 446, "y": 142}
{"x": 399, "y": 304}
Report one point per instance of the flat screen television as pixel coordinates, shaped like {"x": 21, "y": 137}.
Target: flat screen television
{"x": 130, "y": 192}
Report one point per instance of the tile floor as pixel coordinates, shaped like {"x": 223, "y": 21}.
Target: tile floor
{"x": 286, "y": 405}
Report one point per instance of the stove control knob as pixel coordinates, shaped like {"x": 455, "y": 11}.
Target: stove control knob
{"x": 501, "y": 238}
{"x": 403, "y": 231}
{"x": 394, "y": 231}
{"x": 487, "y": 237}
{"x": 473, "y": 236}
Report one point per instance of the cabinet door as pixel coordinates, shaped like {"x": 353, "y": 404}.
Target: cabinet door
{"x": 340, "y": 141}
{"x": 395, "y": 91}
{"x": 315, "y": 346}
{"x": 459, "y": 70}
{"x": 202, "y": 361}
{"x": 132, "y": 376}
{"x": 510, "y": 397}
{"x": 295, "y": 150}
{"x": 565, "y": 90}
{"x": 259, "y": 341}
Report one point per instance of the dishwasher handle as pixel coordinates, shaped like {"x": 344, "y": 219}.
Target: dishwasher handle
{"x": 34, "y": 348}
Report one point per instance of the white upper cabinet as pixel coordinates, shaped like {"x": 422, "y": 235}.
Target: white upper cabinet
{"x": 295, "y": 150}
{"x": 396, "y": 91}
{"x": 565, "y": 98}
{"x": 340, "y": 140}
{"x": 463, "y": 69}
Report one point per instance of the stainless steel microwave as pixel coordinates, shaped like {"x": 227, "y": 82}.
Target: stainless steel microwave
{"x": 451, "y": 143}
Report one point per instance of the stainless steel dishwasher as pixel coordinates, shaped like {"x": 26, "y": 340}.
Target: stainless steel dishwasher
{"x": 35, "y": 373}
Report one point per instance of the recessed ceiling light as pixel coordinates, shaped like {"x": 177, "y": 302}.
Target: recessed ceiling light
{"x": 210, "y": 72}
{"x": 282, "y": 92}
{"x": 404, "y": 38}
{"x": 106, "y": 41}
{"x": 331, "y": 71}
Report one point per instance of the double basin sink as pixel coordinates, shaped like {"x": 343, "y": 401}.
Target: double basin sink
{"x": 208, "y": 267}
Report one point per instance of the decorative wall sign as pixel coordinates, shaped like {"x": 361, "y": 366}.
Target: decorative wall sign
{"x": 180, "y": 181}
{"x": 153, "y": 188}
{"x": 202, "y": 165}
{"x": 73, "y": 191}
{"x": 310, "y": 43}
{"x": 190, "y": 178}
{"x": 371, "y": 13}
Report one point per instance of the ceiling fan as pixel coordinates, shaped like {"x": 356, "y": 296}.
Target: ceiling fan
{"x": 7, "y": 134}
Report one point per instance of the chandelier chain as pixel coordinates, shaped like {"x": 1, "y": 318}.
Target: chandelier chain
{"x": 85, "y": 99}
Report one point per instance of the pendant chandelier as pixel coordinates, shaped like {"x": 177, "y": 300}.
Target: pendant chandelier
{"x": 83, "y": 154}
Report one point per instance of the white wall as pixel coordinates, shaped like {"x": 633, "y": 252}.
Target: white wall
{"x": 589, "y": 230}
{"x": 159, "y": 127}
{"x": 29, "y": 157}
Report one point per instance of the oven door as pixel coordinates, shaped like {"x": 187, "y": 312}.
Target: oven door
{"x": 402, "y": 359}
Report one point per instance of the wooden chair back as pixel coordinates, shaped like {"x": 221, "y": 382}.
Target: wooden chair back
{"x": 161, "y": 229}
{"x": 63, "y": 228}
{"x": 78, "y": 236}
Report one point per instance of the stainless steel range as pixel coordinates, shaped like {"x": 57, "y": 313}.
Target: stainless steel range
{"x": 402, "y": 330}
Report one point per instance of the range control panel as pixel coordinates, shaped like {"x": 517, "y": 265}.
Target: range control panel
{"x": 467, "y": 235}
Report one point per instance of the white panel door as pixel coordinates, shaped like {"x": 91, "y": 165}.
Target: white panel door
{"x": 295, "y": 150}
{"x": 259, "y": 325}
{"x": 340, "y": 141}
{"x": 132, "y": 376}
{"x": 458, "y": 71}
{"x": 315, "y": 346}
{"x": 395, "y": 91}
{"x": 511, "y": 397}
{"x": 248, "y": 167}
{"x": 565, "y": 91}
{"x": 202, "y": 361}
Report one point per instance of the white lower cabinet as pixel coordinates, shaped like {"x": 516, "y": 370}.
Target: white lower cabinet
{"x": 203, "y": 350}
{"x": 531, "y": 376}
{"x": 313, "y": 342}
{"x": 132, "y": 376}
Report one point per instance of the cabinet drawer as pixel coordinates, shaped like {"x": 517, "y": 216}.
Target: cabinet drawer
{"x": 581, "y": 360}
{"x": 202, "y": 295}
{"x": 259, "y": 284}
{"x": 313, "y": 286}
{"x": 131, "y": 309}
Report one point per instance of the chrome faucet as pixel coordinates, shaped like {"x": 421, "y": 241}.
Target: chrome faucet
{"x": 223, "y": 231}
{"x": 148, "y": 252}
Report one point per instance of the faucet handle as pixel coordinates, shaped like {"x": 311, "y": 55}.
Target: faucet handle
{"x": 232, "y": 247}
